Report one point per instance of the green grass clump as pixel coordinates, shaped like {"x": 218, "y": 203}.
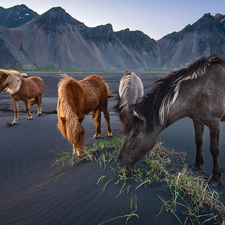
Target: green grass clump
{"x": 190, "y": 192}
{"x": 201, "y": 197}
{"x": 70, "y": 158}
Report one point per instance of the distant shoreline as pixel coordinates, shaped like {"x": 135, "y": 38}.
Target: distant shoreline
{"x": 55, "y": 70}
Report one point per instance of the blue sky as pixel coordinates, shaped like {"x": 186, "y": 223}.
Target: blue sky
{"x": 155, "y": 18}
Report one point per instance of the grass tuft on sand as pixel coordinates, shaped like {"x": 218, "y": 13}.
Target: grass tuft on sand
{"x": 189, "y": 191}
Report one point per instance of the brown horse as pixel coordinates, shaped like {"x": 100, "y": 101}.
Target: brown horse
{"x": 196, "y": 91}
{"x": 77, "y": 98}
{"x": 29, "y": 90}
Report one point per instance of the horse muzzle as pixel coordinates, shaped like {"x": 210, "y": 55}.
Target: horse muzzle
{"x": 122, "y": 164}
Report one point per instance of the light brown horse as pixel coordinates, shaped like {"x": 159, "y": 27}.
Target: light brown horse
{"x": 77, "y": 98}
{"x": 29, "y": 90}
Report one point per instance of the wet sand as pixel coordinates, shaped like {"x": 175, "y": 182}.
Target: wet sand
{"x": 32, "y": 191}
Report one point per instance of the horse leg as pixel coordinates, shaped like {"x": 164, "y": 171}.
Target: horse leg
{"x": 27, "y": 109}
{"x": 199, "y": 137}
{"x": 107, "y": 118}
{"x": 16, "y": 106}
{"x": 39, "y": 102}
{"x": 214, "y": 149}
{"x": 97, "y": 116}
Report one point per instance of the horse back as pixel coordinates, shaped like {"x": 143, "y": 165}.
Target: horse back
{"x": 203, "y": 98}
{"x": 85, "y": 95}
{"x": 36, "y": 82}
{"x": 30, "y": 87}
{"x": 96, "y": 91}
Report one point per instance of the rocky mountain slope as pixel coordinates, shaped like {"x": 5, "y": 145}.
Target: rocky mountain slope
{"x": 55, "y": 39}
{"x": 205, "y": 37}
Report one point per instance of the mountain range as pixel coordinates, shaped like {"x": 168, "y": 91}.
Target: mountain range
{"x": 56, "y": 40}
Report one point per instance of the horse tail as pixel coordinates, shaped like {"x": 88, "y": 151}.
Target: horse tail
{"x": 67, "y": 112}
{"x": 111, "y": 95}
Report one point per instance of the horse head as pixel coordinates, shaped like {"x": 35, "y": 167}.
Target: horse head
{"x": 138, "y": 141}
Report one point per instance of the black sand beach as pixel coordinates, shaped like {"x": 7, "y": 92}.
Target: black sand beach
{"x": 32, "y": 191}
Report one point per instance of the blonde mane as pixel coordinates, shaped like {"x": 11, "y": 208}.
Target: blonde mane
{"x": 77, "y": 99}
{"x": 64, "y": 110}
{"x": 14, "y": 81}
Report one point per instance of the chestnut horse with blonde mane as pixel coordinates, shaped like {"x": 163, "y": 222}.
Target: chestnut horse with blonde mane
{"x": 77, "y": 98}
{"x": 29, "y": 90}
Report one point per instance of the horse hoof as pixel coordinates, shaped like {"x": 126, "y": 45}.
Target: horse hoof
{"x": 97, "y": 136}
{"x": 29, "y": 118}
{"x": 39, "y": 114}
{"x": 10, "y": 124}
{"x": 110, "y": 134}
{"x": 196, "y": 167}
{"x": 214, "y": 182}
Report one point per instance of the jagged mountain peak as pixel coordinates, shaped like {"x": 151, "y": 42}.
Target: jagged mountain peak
{"x": 55, "y": 39}
{"x": 204, "y": 37}
{"x": 219, "y": 17}
{"x": 53, "y": 18}
{"x": 57, "y": 15}
{"x": 16, "y": 16}
{"x": 137, "y": 39}
{"x": 206, "y": 23}
{"x": 56, "y": 10}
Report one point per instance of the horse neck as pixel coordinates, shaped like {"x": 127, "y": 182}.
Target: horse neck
{"x": 176, "y": 112}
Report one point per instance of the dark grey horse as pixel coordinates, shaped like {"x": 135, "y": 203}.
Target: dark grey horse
{"x": 198, "y": 92}
{"x": 131, "y": 89}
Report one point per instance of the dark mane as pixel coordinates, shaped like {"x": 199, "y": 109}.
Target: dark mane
{"x": 163, "y": 93}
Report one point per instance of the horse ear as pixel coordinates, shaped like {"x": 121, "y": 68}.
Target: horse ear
{"x": 139, "y": 116}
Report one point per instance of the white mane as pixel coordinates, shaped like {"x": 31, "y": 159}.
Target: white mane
{"x": 167, "y": 102}
{"x": 124, "y": 90}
